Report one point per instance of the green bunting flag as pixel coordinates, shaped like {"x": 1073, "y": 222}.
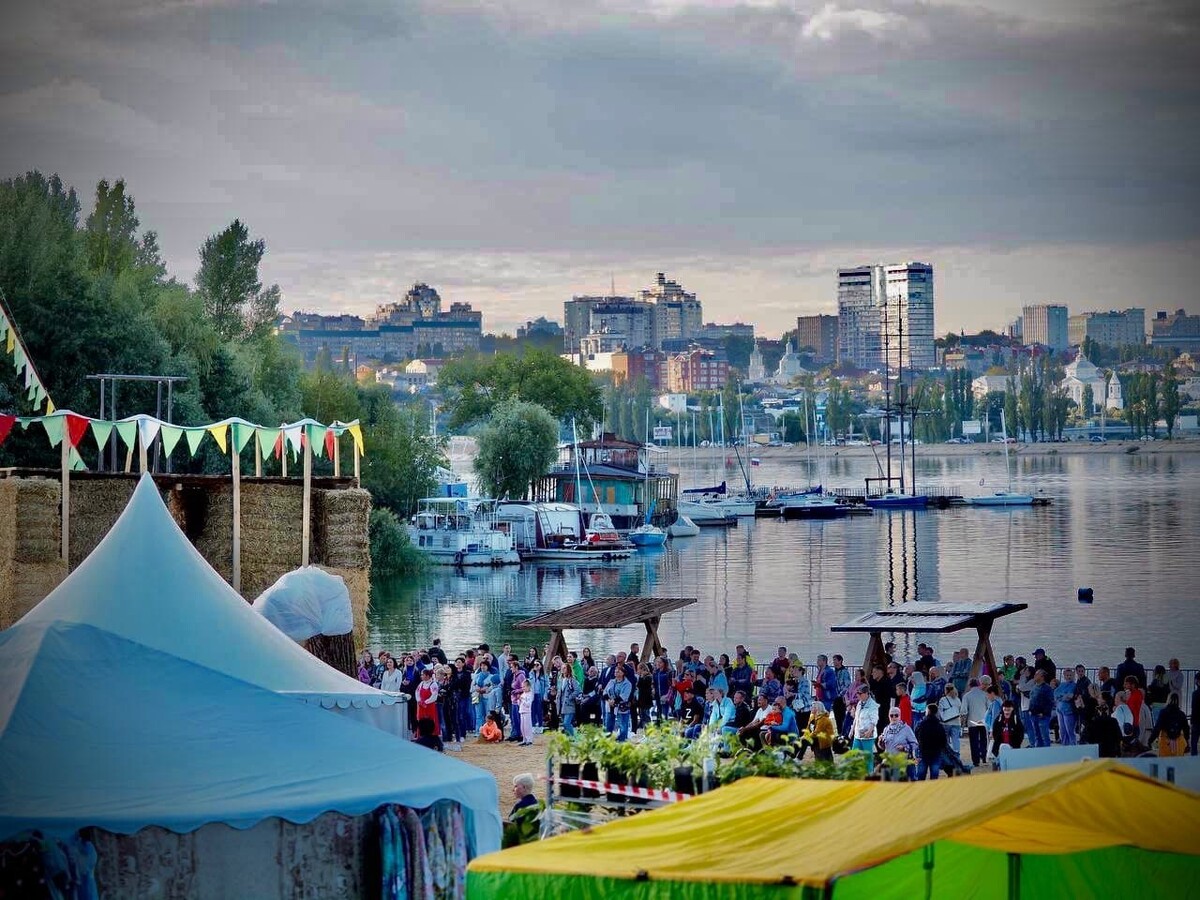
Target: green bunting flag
{"x": 316, "y": 439}
{"x": 170, "y": 437}
{"x": 266, "y": 441}
{"x": 194, "y": 437}
{"x": 101, "y": 432}
{"x": 54, "y": 429}
{"x": 128, "y": 433}
{"x": 241, "y": 435}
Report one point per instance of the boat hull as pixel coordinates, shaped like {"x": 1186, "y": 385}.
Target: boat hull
{"x": 471, "y": 558}
{"x": 1002, "y": 500}
{"x": 549, "y": 554}
{"x": 833, "y": 511}
{"x": 643, "y": 541}
{"x": 906, "y": 502}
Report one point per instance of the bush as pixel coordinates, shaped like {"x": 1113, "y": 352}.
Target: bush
{"x": 392, "y": 550}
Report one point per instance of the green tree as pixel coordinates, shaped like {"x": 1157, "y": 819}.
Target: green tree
{"x": 793, "y": 427}
{"x": 1088, "y": 404}
{"x": 474, "y": 385}
{"x": 234, "y": 299}
{"x": 1170, "y": 404}
{"x": 1010, "y": 408}
{"x": 518, "y": 446}
{"x": 111, "y": 231}
{"x": 401, "y": 456}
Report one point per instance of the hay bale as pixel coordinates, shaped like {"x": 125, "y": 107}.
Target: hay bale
{"x": 212, "y": 535}
{"x": 340, "y": 528}
{"x": 271, "y": 534}
{"x": 30, "y": 525}
{"x": 24, "y": 585}
{"x": 96, "y": 504}
{"x": 358, "y": 582}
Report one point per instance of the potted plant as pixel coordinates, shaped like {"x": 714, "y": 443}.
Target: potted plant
{"x": 564, "y": 750}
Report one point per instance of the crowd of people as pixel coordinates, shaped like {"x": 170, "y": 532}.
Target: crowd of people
{"x": 921, "y": 708}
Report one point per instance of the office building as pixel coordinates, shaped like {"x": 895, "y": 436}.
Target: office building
{"x": 861, "y": 293}
{"x": 820, "y": 333}
{"x": 717, "y": 331}
{"x": 577, "y": 318}
{"x": 1045, "y": 325}
{"x": 1114, "y": 328}
{"x": 1178, "y": 330}
{"x": 885, "y": 315}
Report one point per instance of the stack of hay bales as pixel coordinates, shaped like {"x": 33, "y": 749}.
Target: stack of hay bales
{"x": 96, "y": 504}
{"x": 214, "y": 537}
{"x": 342, "y": 546}
{"x": 31, "y": 564}
{"x": 272, "y": 514}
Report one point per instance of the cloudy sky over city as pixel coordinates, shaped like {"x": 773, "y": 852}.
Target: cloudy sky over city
{"x": 515, "y": 153}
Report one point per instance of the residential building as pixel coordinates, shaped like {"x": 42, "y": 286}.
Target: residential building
{"x": 540, "y": 327}
{"x": 415, "y": 326}
{"x": 631, "y": 320}
{"x": 577, "y": 318}
{"x": 630, "y": 365}
{"x": 975, "y": 360}
{"x": 696, "y": 370}
{"x": 861, "y": 293}
{"x": 715, "y": 331}
{"x": 1046, "y": 325}
{"x": 678, "y": 315}
{"x": 985, "y": 384}
{"x": 819, "y": 333}
{"x": 1178, "y": 330}
{"x": 907, "y": 319}
{"x": 1113, "y": 328}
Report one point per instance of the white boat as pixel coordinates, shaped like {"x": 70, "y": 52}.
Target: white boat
{"x": 1006, "y": 497}
{"x": 683, "y": 527}
{"x": 705, "y": 513}
{"x": 462, "y": 531}
{"x": 553, "y": 531}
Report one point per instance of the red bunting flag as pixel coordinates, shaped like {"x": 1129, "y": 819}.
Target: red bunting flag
{"x": 77, "y": 427}
{"x": 330, "y": 440}
{"x": 279, "y": 446}
{"x": 6, "y": 425}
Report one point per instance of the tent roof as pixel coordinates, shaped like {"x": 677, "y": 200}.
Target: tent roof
{"x": 763, "y": 830}
{"x": 931, "y": 617}
{"x": 98, "y": 730}
{"x": 146, "y": 582}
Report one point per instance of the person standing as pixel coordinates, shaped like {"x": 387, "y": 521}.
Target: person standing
{"x": 1064, "y": 706}
{"x": 568, "y": 692}
{"x": 1041, "y": 707}
{"x": 426, "y": 696}
{"x": 1007, "y": 729}
{"x": 618, "y": 696}
{"x": 932, "y": 742}
{"x": 866, "y": 725}
{"x": 975, "y": 711}
{"x": 950, "y": 714}
{"x": 524, "y": 708}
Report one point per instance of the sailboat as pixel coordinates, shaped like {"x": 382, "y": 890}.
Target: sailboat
{"x": 813, "y": 503}
{"x": 647, "y": 536}
{"x": 1007, "y": 497}
{"x": 892, "y": 498}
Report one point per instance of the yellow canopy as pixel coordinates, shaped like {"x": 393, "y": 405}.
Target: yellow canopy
{"x": 768, "y": 831}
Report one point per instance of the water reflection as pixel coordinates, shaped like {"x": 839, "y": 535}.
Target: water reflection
{"x": 1128, "y": 526}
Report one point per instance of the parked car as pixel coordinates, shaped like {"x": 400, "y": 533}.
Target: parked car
{"x": 1098, "y": 439}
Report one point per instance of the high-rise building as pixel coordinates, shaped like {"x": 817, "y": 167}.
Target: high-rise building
{"x": 821, "y": 334}
{"x": 886, "y": 308}
{"x": 678, "y": 315}
{"x": 861, "y": 293}
{"x": 1179, "y": 330}
{"x": 1045, "y": 324}
{"x": 1113, "y": 328}
{"x": 631, "y": 320}
{"x": 577, "y": 318}
{"x": 906, "y": 321}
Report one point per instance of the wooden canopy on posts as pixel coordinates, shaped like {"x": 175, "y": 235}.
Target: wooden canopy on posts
{"x": 608, "y": 612}
{"x": 933, "y": 618}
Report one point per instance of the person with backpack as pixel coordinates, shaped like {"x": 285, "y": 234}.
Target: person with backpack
{"x": 1171, "y": 729}
{"x": 932, "y": 742}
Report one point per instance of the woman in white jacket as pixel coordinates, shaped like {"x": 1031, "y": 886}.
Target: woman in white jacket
{"x": 393, "y": 678}
{"x": 866, "y": 723}
{"x": 950, "y": 712}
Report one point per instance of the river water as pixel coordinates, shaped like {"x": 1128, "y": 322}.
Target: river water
{"x": 1126, "y": 525}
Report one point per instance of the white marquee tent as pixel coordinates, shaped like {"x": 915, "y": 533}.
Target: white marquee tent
{"x": 146, "y": 582}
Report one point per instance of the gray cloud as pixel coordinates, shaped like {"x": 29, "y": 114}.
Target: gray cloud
{"x": 510, "y": 149}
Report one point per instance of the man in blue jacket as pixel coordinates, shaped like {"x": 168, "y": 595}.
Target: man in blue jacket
{"x": 1041, "y": 707}
{"x": 777, "y": 734}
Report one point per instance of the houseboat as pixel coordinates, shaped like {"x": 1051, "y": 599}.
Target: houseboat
{"x": 462, "y": 531}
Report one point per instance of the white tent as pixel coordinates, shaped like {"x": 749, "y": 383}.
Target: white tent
{"x": 98, "y": 730}
{"x": 146, "y": 582}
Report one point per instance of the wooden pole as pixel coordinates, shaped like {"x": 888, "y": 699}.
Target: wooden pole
{"x": 283, "y": 452}
{"x": 357, "y": 472}
{"x": 142, "y": 453}
{"x": 66, "y": 496}
{"x": 129, "y": 453}
{"x": 236, "y": 471}
{"x": 306, "y": 528}
{"x": 337, "y": 456}
{"x": 257, "y": 457}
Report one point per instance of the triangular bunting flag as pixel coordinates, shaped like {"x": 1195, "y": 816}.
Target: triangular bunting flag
{"x": 194, "y": 437}
{"x": 330, "y": 442}
{"x": 6, "y": 424}
{"x": 241, "y": 436}
{"x": 170, "y": 437}
{"x": 356, "y": 433}
{"x": 148, "y": 430}
{"x": 268, "y": 441}
{"x": 10, "y": 342}
{"x": 128, "y": 432}
{"x": 54, "y": 429}
{"x": 220, "y": 433}
{"x": 316, "y": 439}
{"x": 77, "y": 427}
{"x": 49, "y": 407}
{"x": 293, "y": 438}
{"x": 77, "y": 463}
{"x": 101, "y": 432}
{"x": 18, "y": 356}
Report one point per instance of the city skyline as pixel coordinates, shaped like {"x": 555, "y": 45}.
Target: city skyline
{"x": 514, "y": 155}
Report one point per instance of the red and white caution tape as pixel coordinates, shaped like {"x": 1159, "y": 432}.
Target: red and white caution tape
{"x": 626, "y": 790}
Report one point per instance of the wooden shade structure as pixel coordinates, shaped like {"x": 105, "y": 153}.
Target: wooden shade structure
{"x": 607, "y": 612}
{"x": 932, "y": 618}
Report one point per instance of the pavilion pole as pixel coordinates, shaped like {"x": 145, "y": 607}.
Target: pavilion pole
{"x": 236, "y": 471}
{"x": 305, "y": 531}
{"x": 66, "y": 495}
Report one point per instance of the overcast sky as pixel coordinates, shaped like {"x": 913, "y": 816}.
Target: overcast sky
{"x": 515, "y": 153}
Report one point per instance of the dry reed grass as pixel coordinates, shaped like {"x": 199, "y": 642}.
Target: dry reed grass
{"x": 96, "y": 504}
{"x": 30, "y": 525}
{"x": 24, "y": 585}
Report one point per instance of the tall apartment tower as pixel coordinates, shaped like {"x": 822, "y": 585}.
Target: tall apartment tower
{"x": 861, "y": 292}
{"x": 678, "y": 315}
{"x": 1045, "y": 324}
{"x": 820, "y": 333}
{"x": 906, "y": 321}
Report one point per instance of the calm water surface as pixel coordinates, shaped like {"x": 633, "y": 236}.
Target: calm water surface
{"x": 1126, "y": 525}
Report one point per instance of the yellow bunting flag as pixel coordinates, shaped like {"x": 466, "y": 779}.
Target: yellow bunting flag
{"x": 219, "y": 433}
{"x": 356, "y": 433}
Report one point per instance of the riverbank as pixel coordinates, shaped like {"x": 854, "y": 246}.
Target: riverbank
{"x": 950, "y": 451}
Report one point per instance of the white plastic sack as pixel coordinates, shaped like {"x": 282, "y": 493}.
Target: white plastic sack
{"x": 307, "y": 602}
